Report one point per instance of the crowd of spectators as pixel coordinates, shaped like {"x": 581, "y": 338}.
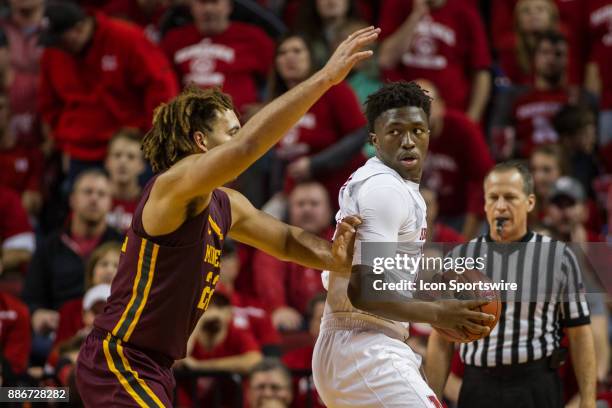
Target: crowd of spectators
{"x": 79, "y": 82}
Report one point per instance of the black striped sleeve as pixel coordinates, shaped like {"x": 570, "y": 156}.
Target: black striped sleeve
{"x": 575, "y": 309}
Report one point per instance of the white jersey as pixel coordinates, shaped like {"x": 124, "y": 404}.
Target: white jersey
{"x": 392, "y": 210}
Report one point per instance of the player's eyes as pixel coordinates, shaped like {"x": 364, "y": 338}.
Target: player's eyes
{"x": 394, "y": 132}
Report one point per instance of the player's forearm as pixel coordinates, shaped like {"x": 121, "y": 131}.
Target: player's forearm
{"x": 437, "y": 362}
{"x": 481, "y": 89}
{"x": 308, "y": 250}
{"x": 267, "y": 127}
{"x": 582, "y": 350}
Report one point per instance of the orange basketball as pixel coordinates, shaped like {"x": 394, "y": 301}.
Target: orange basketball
{"x": 493, "y": 307}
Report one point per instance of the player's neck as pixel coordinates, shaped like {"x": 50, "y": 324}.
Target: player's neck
{"x": 126, "y": 191}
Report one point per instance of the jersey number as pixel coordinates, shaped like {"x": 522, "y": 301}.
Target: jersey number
{"x": 207, "y": 292}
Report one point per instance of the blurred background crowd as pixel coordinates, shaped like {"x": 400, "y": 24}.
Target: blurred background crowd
{"x": 79, "y": 82}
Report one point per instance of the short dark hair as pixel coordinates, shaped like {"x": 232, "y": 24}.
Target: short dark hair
{"x": 396, "y": 95}
{"x": 552, "y": 36}
{"x": 271, "y": 364}
{"x": 518, "y": 166}
{"x": 571, "y": 119}
{"x": 127, "y": 133}
{"x": 92, "y": 172}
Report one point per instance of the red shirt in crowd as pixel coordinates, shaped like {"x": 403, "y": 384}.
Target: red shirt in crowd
{"x": 24, "y": 54}
{"x": 132, "y": 11}
{"x": 21, "y": 168}
{"x": 445, "y": 234}
{"x": 301, "y": 359}
{"x": 449, "y": 45}
{"x": 280, "y": 283}
{"x": 457, "y": 162}
{"x": 232, "y": 60}
{"x": 117, "y": 83}
{"x": 15, "y": 332}
{"x": 571, "y": 13}
{"x": 532, "y": 114}
{"x": 15, "y": 229}
{"x": 250, "y": 315}
{"x": 70, "y": 320}
{"x": 599, "y": 26}
{"x": 121, "y": 213}
{"x": 336, "y": 114}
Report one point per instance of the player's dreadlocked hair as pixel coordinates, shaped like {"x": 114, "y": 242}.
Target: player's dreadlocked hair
{"x": 396, "y": 95}
{"x": 170, "y": 138}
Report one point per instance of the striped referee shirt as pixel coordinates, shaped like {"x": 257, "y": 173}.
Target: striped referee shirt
{"x": 549, "y": 280}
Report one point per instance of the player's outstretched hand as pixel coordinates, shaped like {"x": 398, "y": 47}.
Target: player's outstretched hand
{"x": 344, "y": 244}
{"x": 349, "y": 53}
{"x": 458, "y": 314}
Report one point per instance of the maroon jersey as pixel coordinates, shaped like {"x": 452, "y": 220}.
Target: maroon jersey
{"x": 164, "y": 283}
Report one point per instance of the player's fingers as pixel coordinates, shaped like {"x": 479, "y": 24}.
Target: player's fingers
{"x": 359, "y": 32}
{"x": 479, "y": 316}
{"x": 476, "y": 328}
{"x": 360, "y": 56}
{"x": 473, "y": 304}
{"x": 352, "y": 220}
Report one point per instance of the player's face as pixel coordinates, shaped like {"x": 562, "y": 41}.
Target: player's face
{"x": 401, "y": 137}
{"x": 106, "y": 268}
{"x": 124, "y": 161}
{"x": 293, "y": 60}
{"x": 545, "y": 170}
{"x": 550, "y": 60}
{"x": 329, "y": 9}
{"x": 211, "y": 16}
{"x": 505, "y": 199}
{"x": 309, "y": 208}
{"x": 533, "y": 15}
{"x": 225, "y": 128}
{"x": 267, "y": 385}
{"x": 90, "y": 200}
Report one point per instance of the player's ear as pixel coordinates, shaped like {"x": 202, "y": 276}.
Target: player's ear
{"x": 373, "y": 139}
{"x": 201, "y": 140}
{"x": 531, "y": 200}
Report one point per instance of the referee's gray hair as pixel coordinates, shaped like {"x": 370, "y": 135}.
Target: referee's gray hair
{"x": 520, "y": 167}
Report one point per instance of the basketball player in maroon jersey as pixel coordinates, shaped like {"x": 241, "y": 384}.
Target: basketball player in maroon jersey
{"x": 169, "y": 264}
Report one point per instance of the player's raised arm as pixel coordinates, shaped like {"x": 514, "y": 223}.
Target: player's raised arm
{"x": 227, "y": 161}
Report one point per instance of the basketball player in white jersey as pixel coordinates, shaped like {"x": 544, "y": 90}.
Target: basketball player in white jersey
{"x": 361, "y": 358}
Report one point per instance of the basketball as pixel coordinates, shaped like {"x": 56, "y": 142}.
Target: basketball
{"x": 493, "y": 307}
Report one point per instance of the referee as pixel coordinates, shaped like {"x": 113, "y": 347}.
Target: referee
{"x": 516, "y": 365}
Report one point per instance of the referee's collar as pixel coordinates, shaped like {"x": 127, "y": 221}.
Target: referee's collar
{"x": 526, "y": 238}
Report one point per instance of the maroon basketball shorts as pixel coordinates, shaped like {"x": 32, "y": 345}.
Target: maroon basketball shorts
{"x": 112, "y": 374}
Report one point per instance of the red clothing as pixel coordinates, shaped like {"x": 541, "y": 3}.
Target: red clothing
{"x": 450, "y": 44}
{"x": 532, "y": 115}
{"x": 70, "y": 320}
{"x": 322, "y": 126}
{"x": 21, "y": 168}
{"x": 24, "y": 54}
{"x": 250, "y": 315}
{"x": 599, "y": 26}
{"x": 232, "y": 60}
{"x": 15, "y": 332}
{"x": 14, "y": 224}
{"x": 280, "y": 283}
{"x": 445, "y": 234}
{"x": 457, "y": 162}
{"x": 571, "y": 14}
{"x": 301, "y": 359}
{"x": 120, "y": 216}
{"x": 238, "y": 341}
{"x": 118, "y": 83}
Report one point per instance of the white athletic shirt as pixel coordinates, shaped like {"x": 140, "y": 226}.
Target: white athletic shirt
{"x": 392, "y": 210}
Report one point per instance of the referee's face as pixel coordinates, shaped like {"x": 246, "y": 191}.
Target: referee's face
{"x": 505, "y": 199}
